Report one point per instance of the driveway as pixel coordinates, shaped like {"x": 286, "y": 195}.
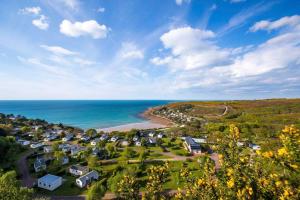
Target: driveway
{"x": 26, "y": 179}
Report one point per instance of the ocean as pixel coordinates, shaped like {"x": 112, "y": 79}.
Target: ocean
{"x": 82, "y": 113}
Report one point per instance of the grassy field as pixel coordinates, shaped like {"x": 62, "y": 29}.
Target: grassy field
{"x": 260, "y": 121}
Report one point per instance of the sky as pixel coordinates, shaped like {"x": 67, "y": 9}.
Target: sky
{"x": 151, "y": 49}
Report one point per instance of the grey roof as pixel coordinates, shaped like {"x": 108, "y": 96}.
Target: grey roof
{"x": 191, "y": 142}
{"x": 49, "y": 178}
{"x": 88, "y": 176}
{"x": 39, "y": 162}
{"x": 79, "y": 167}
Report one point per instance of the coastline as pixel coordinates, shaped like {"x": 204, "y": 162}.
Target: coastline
{"x": 152, "y": 121}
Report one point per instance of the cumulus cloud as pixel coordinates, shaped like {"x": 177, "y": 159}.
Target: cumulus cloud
{"x": 180, "y": 2}
{"x": 41, "y": 23}
{"x": 191, "y": 48}
{"x": 58, "y": 50}
{"x": 199, "y": 62}
{"x": 290, "y": 21}
{"x": 86, "y": 28}
{"x": 130, "y": 51}
{"x": 31, "y": 10}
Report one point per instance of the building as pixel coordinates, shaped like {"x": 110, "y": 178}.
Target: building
{"x": 192, "y": 146}
{"x": 75, "y": 149}
{"x": 68, "y": 137}
{"x": 114, "y": 138}
{"x": 85, "y": 138}
{"x": 254, "y": 146}
{"x": 48, "y": 149}
{"x": 65, "y": 160}
{"x": 39, "y": 164}
{"x": 86, "y": 179}
{"x": 95, "y": 141}
{"x": 78, "y": 170}
{"x": 104, "y": 137}
{"x": 49, "y": 182}
{"x": 36, "y": 145}
{"x": 152, "y": 141}
{"x": 138, "y": 143}
{"x": 23, "y": 142}
{"x": 160, "y": 135}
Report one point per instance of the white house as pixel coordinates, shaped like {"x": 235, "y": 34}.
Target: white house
{"x": 85, "y": 138}
{"x": 75, "y": 149}
{"x": 151, "y": 134}
{"x": 135, "y": 138}
{"x": 87, "y": 179}
{"x": 39, "y": 164}
{"x": 138, "y": 143}
{"x": 48, "y": 149}
{"x": 36, "y": 145}
{"x": 254, "y": 146}
{"x": 95, "y": 141}
{"x": 104, "y": 137}
{"x": 114, "y": 138}
{"x": 192, "y": 146}
{"x": 49, "y": 182}
{"x": 160, "y": 135}
{"x": 64, "y": 160}
{"x": 68, "y": 137}
{"x": 78, "y": 170}
{"x": 24, "y": 142}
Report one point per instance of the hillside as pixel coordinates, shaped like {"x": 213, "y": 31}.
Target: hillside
{"x": 257, "y": 119}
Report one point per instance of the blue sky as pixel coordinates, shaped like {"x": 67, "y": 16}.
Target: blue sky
{"x": 152, "y": 49}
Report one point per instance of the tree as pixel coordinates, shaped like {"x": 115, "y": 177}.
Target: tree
{"x": 91, "y": 132}
{"x": 92, "y": 162}
{"x": 128, "y": 187}
{"x": 128, "y": 153}
{"x": 25, "y": 129}
{"x": 96, "y": 191}
{"x": 143, "y": 142}
{"x": 111, "y": 149}
{"x": 10, "y": 188}
{"x": 143, "y": 155}
{"x": 101, "y": 144}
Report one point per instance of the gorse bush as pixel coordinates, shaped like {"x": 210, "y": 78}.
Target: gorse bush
{"x": 248, "y": 175}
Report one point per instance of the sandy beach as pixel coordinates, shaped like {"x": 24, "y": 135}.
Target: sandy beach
{"x": 153, "y": 122}
{"x": 128, "y": 127}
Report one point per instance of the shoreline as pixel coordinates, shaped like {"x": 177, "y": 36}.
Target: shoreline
{"x": 151, "y": 122}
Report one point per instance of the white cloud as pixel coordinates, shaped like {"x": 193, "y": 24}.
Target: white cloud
{"x": 72, "y": 4}
{"x": 101, "y": 10}
{"x": 199, "y": 62}
{"x": 130, "y": 51}
{"x": 191, "y": 48}
{"x": 290, "y": 21}
{"x": 41, "y": 23}
{"x": 86, "y": 28}
{"x": 242, "y": 17}
{"x": 30, "y": 10}
{"x": 58, "y": 50}
{"x": 237, "y": 1}
{"x": 180, "y": 2}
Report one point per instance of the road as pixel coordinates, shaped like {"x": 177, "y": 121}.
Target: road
{"x": 26, "y": 179}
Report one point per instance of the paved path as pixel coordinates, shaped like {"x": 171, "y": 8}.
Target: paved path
{"x": 26, "y": 179}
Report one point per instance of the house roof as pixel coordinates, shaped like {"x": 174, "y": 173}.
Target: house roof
{"x": 79, "y": 167}
{"x": 49, "y": 178}
{"x": 88, "y": 176}
{"x": 191, "y": 142}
